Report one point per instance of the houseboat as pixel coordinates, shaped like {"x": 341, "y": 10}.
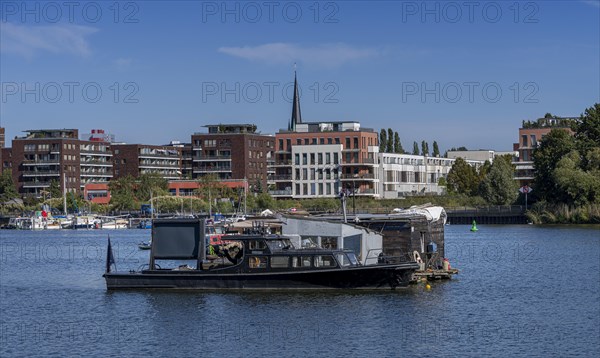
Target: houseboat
{"x": 254, "y": 261}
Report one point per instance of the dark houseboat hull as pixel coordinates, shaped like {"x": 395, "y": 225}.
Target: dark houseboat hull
{"x": 362, "y": 277}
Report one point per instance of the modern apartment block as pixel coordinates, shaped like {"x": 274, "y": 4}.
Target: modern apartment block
{"x": 405, "y": 175}
{"x": 138, "y": 159}
{"x": 233, "y": 151}
{"x": 44, "y": 155}
{"x": 529, "y": 136}
{"x": 320, "y": 159}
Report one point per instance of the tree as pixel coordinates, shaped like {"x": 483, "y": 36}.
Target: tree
{"x": 436, "y": 149}
{"x": 54, "y": 189}
{"x": 424, "y": 148}
{"x": 587, "y": 133}
{"x": 556, "y": 144}
{"x": 390, "y": 142}
{"x": 462, "y": 178}
{"x": 7, "y": 187}
{"x": 415, "y": 148}
{"x": 397, "y": 144}
{"x": 498, "y": 187}
{"x": 580, "y": 187}
{"x": 122, "y": 193}
{"x": 382, "y": 140}
{"x": 151, "y": 185}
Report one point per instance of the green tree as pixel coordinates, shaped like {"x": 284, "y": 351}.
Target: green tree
{"x": 397, "y": 144}
{"x": 436, "y": 149}
{"x": 390, "y": 141}
{"x": 555, "y": 145}
{"x": 382, "y": 140}
{"x": 579, "y": 186}
{"x": 498, "y": 187}
{"x": 415, "y": 148}
{"x": 151, "y": 185}
{"x": 587, "y": 133}
{"x": 7, "y": 187}
{"x": 462, "y": 178}
{"x": 424, "y": 148}
{"x": 122, "y": 193}
{"x": 54, "y": 189}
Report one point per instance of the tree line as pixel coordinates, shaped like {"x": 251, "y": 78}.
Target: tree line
{"x": 389, "y": 142}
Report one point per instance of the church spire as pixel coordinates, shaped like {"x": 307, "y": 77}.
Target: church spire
{"x": 296, "y": 116}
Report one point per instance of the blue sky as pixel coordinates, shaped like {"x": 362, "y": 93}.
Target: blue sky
{"x": 459, "y": 74}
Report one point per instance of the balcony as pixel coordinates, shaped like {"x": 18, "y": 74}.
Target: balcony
{"x": 212, "y": 158}
{"x": 41, "y": 173}
{"x": 282, "y": 177}
{"x": 280, "y": 192}
{"x": 362, "y": 176}
{"x": 95, "y": 162}
{"x": 212, "y": 169}
{"x": 358, "y": 162}
{"x": 282, "y": 163}
{"x": 42, "y": 161}
{"x": 36, "y": 184}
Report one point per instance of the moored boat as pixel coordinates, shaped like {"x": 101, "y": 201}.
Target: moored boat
{"x": 251, "y": 262}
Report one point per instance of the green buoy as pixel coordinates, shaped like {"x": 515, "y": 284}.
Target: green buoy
{"x": 474, "y": 226}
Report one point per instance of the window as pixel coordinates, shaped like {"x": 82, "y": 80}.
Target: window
{"x": 347, "y": 143}
{"x": 29, "y": 148}
{"x": 288, "y": 143}
{"x": 335, "y": 158}
{"x": 329, "y": 242}
{"x": 324, "y": 261}
{"x": 524, "y": 139}
{"x": 304, "y": 158}
{"x": 322, "y": 140}
{"x": 337, "y": 141}
{"x": 301, "y": 261}
{"x": 320, "y": 157}
{"x": 256, "y": 245}
{"x": 355, "y": 142}
{"x": 281, "y": 144}
{"x": 257, "y": 262}
{"x": 312, "y": 174}
{"x": 329, "y": 140}
{"x": 306, "y": 142}
{"x": 280, "y": 262}
{"x": 299, "y": 141}
{"x": 304, "y": 174}
{"x": 327, "y": 158}
{"x": 314, "y": 141}
{"x": 297, "y": 159}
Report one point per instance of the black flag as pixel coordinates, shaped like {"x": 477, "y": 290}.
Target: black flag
{"x": 110, "y": 259}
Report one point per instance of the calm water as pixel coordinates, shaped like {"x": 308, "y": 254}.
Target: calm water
{"x": 522, "y": 291}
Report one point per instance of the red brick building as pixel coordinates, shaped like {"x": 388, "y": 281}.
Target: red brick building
{"x": 137, "y": 159}
{"x": 233, "y": 151}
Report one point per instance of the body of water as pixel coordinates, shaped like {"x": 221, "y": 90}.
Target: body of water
{"x": 522, "y": 291}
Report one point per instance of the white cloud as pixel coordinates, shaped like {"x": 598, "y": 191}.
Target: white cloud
{"x": 327, "y": 55}
{"x": 123, "y": 63}
{"x": 594, "y": 3}
{"x": 27, "y": 41}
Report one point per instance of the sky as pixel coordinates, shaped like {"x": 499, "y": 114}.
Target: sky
{"x": 460, "y": 73}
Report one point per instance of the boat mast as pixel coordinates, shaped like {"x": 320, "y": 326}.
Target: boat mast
{"x": 65, "y": 193}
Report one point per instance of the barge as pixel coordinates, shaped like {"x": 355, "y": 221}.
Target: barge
{"x": 254, "y": 261}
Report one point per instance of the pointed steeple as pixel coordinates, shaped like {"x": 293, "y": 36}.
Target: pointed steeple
{"x": 296, "y": 116}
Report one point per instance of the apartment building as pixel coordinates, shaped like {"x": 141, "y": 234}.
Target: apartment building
{"x": 530, "y": 135}
{"x": 44, "y": 155}
{"x": 138, "y": 159}
{"x": 233, "y": 151}
{"x": 322, "y": 159}
{"x": 405, "y": 175}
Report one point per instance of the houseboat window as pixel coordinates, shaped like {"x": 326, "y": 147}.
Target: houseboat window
{"x": 329, "y": 242}
{"x": 257, "y": 262}
{"x": 280, "y": 262}
{"x": 347, "y": 259}
{"x": 324, "y": 261}
{"x": 301, "y": 261}
{"x": 282, "y": 244}
{"x": 256, "y": 245}
{"x": 309, "y": 242}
